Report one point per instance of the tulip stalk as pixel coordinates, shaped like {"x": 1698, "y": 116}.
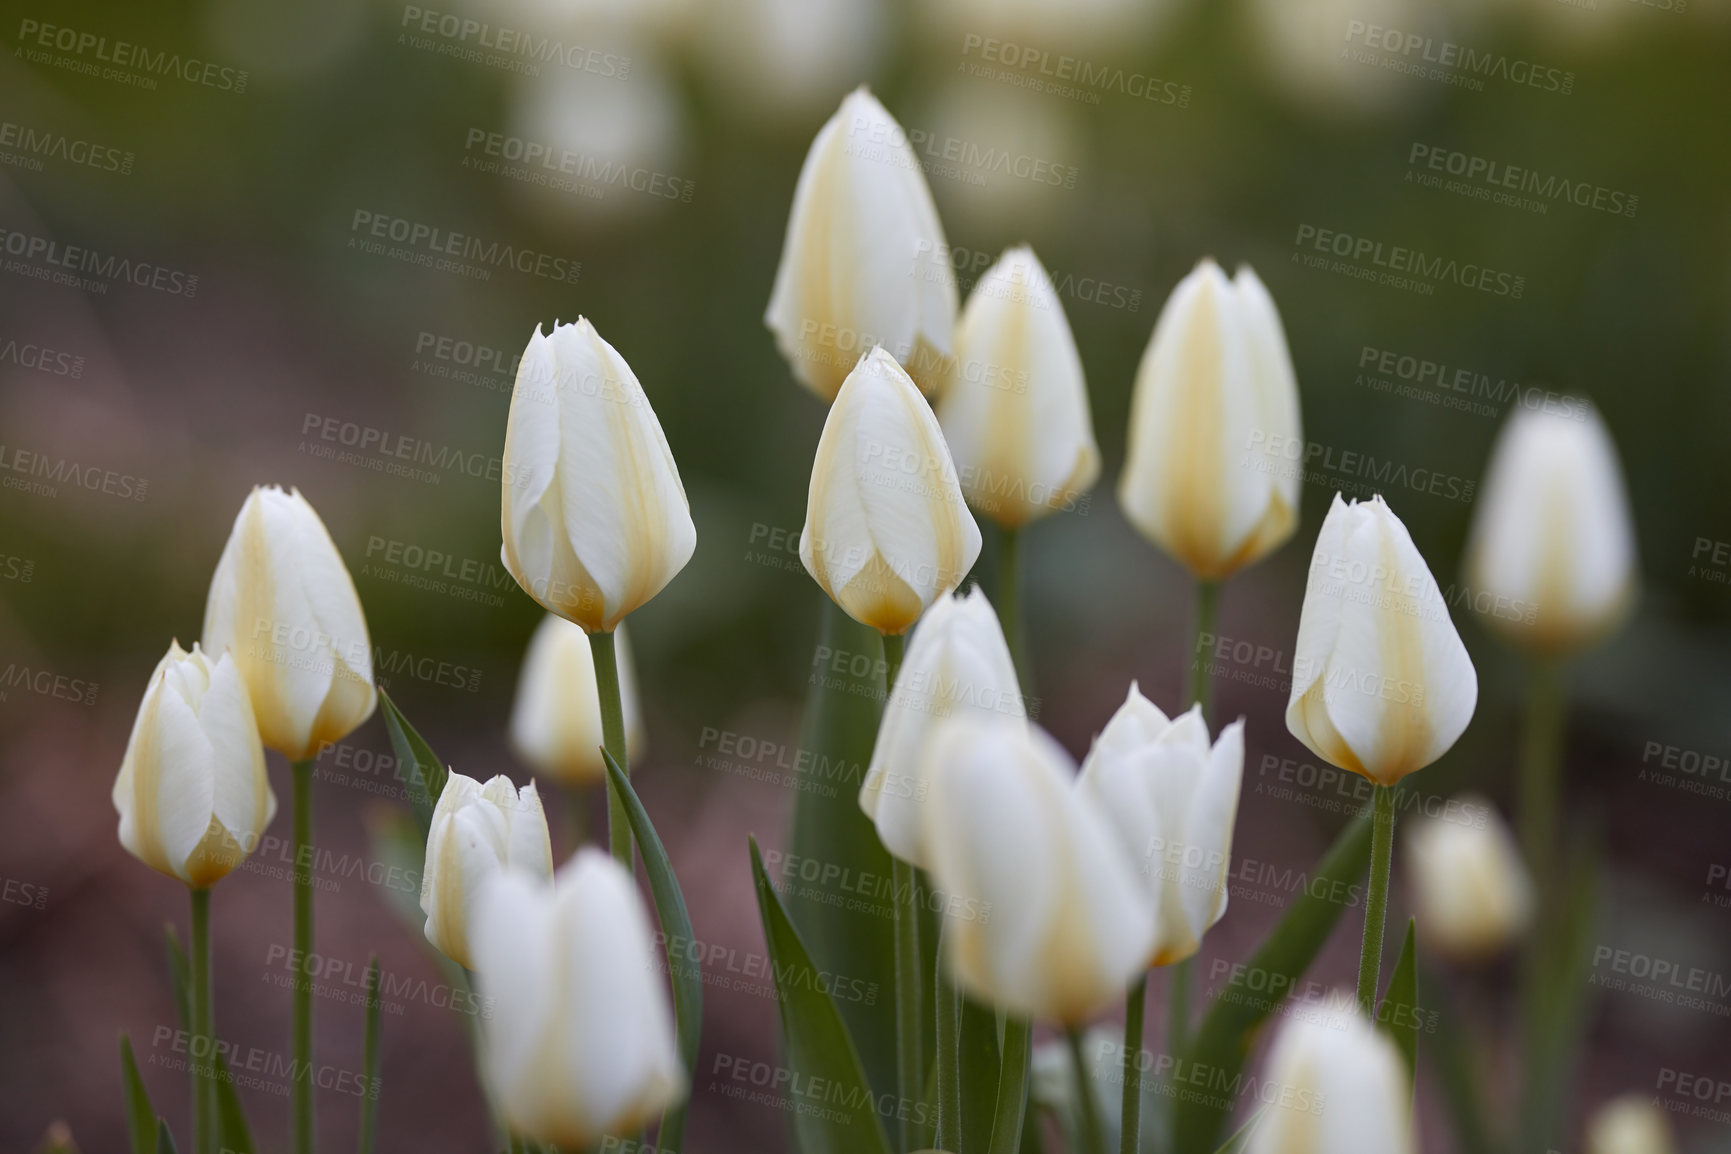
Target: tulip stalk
{"x": 303, "y": 994}
{"x": 1010, "y": 598}
{"x": 1087, "y": 1113}
{"x": 1376, "y": 897}
{"x": 204, "y": 1075}
{"x": 910, "y": 1047}
{"x": 1541, "y": 750}
{"x": 949, "y": 1071}
{"x": 1130, "y": 1117}
{"x": 613, "y": 738}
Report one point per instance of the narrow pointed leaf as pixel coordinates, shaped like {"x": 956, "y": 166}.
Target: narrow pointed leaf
{"x": 179, "y": 976}
{"x": 140, "y": 1114}
{"x": 1398, "y": 1017}
{"x": 424, "y": 770}
{"x": 979, "y": 1066}
{"x": 1237, "y": 1143}
{"x": 370, "y": 1060}
{"x": 1011, "y": 1107}
{"x": 164, "y": 1140}
{"x": 232, "y": 1132}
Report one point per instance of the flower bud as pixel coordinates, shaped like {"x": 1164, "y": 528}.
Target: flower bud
{"x": 556, "y": 721}
{"x": 283, "y": 605}
{"x": 1214, "y": 408}
{"x": 594, "y": 517}
{"x": 1471, "y": 891}
{"x": 864, "y": 262}
{"x": 1630, "y": 1124}
{"x": 192, "y": 793}
{"x": 476, "y": 831}
{"x": 1015, "y": 413}
{"x": 1172, "y": 800}
{"x": 1381, "y": 684}
{"x": 1338, "y": 1085}
{"x": 886, "y": 529}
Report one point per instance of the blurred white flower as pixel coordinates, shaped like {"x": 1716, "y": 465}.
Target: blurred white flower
{"x": 556, "y": 721}
{"x": 1470, "y": 888}
{"x": 1342, "y": 1088}
{"x": 1630, "y": 1124}
{"x": 476, "y": 831}
{"x": 780, "y": 60}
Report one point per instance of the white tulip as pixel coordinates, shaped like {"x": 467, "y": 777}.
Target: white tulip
{"x": 957, "y": 663}
{"x": 283, "y": 605}
{"x": 581, "y": 1043}
{"x": 1631, "y": 1124}
{"x": 1215, "y": 403}
{"x": 1381, "y": 684}
{"x": 1552, "y": 535}
{"x": 1015, "y": 413}
{"x": 864, "y": 262}
{"x": 1471, "y": 891}
{"x": 1336, "y": 1084}
{"x": 1173, "y": 801}
{"x": 1064, "y": 924}
{"x": 556, "y": 721}
{"x": 476, "y": 831}
{"x": 192, "y": 793}
{"x": 594, "y": 517}
{"x": 886, "y": 529}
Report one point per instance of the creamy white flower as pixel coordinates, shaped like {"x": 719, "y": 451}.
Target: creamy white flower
{"x": 1381, "y": 684}
{"x": 192, "y": 793}
{"x": 1173, "y": 801}
{"x": 1630, "y": 1124}
{"x": 1471, "y": 891}
{"x": 1213, "y": 415}
{"x": 594, "y": 517}
{"x": 864, "y": 262}
{"x": 556, "y": 721}
{"x": 581, "y": 1042}
{"x": 476, "y": 831}
{"x": 1343, "y": 1088}
{"x": 1015, "y": 414}
{"x": 1552, "y": 534}
{"x": 886, "y": 529}
{"x": 283, "y": 605}
{"x": 1055, "y": 923}
{"x": 957, "y": 663}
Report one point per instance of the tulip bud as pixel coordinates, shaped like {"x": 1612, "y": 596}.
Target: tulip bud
{"x": 1630, "y": 1125}
{"x": 886, "y": 529}
{"x": 1469, "y": 886}
{"x": 594, "y": 517}
{"x": 476, "y": 831}
{"x": 1552, "y": 536}
{"x": 957, "y": 663}
{"x": 1059, "y": 924}
{"x": 283, "y": 606}
{"x": 1016, "y": 412}
{"x": 1172, "y": 800}
{"x": 1215, "y": 403}
{"x": 192, "y": 793}
{"x": 1336, "y": 1084}
{"x": 1381, "y": 684}
{"x": 864, "y": 262}
{"x": 556, "y": 722}
{"x": 580, "y": 1043}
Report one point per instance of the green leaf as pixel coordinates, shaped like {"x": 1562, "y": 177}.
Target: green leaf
{"x": 1011, "y": 1105}
{"x": 1229, "y": 1030}
{"x": 164, "y": 1140}
{"x": 979, "y": 1064}
{"x": 817, "y": 1040}
{"x": 426, "y": 773}
{"x": 179, "y": 975}
{"x": 140, "y": 1114}
{"x": 1237, "y": 1143}
{"x": 232, "y": 1131}
{"x": 675, "y": 921}
{"x": 1398, "y": 1016}
{"x": 370, "y": 1060}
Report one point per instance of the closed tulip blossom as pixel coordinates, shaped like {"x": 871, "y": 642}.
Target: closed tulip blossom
{"x": 956, "y": 664}
{"x": 886, "y": 529}
{"x": 283, "y": 605}
{"x": 556, "y": 720}
{"x": 594, "y": 517}
{"x": 1213, "y": 419}
{"x": 1342, "y": 1088}
{"x": 1015, "y": 414}
{"x": 1381, "y": 684}
{"x": 1471, "y": 891}
{"x": 476, "y": 831}
{"x": 864, "y": 262}
{"x": 1553, "y": 542}
{"x": 580, "y": 1044}
{"x": 1064, "y": 923}
{"x": 1631, "y": 1124}
{"x": 192, "y": 793}
{"x": 1172, "y": 797}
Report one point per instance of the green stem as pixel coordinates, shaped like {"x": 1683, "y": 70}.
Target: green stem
{"x": 910, "y": 1044}
{"x": 1087, "y": 1112}
{"x": 613, "y": 737}
{"x": 895, "y": 644}
{"x": 1201, "y": 687}
{"x": 303, "y": 991}
{"x": 1541, "y": 757}
{"x": 370, "y": 1060}
{"x": 204, "y": 1068}
{"x": 949, "y": 1074}
{"x": 1130, "y": 1114}
{"x": 1376, "y": 899}
{"x": 1010, "y": 601}
{"x": 1012, "y": 1104}
{"x": 1541, "y": 747}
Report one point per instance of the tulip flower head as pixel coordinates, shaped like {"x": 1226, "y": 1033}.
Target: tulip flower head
{"x": 476, "y": 831}
{"x": 1343, "y": 1088}
{"x": 192, "y": 793}
{"x": 1469, "y": 885}
{"x": 1015, "y": 414}
{"x": 1059, "y": 923}
{"x": 1381, "y": 684}
{"x": 1552, "y": 534}
{"x": 1213, "y": 415}
{"x": 957, "y": 663}
{"x": 1172, "y": 798}
{"x": 556, "y": 721}
{"x": 886, "y": 529}
{"x": 283, "y": 605}
{"x": 864, "y": 262}
{"x": 594, "y": 516}
{"x": 1630, "y": 1124}
{"x": 580, "y": 1043}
